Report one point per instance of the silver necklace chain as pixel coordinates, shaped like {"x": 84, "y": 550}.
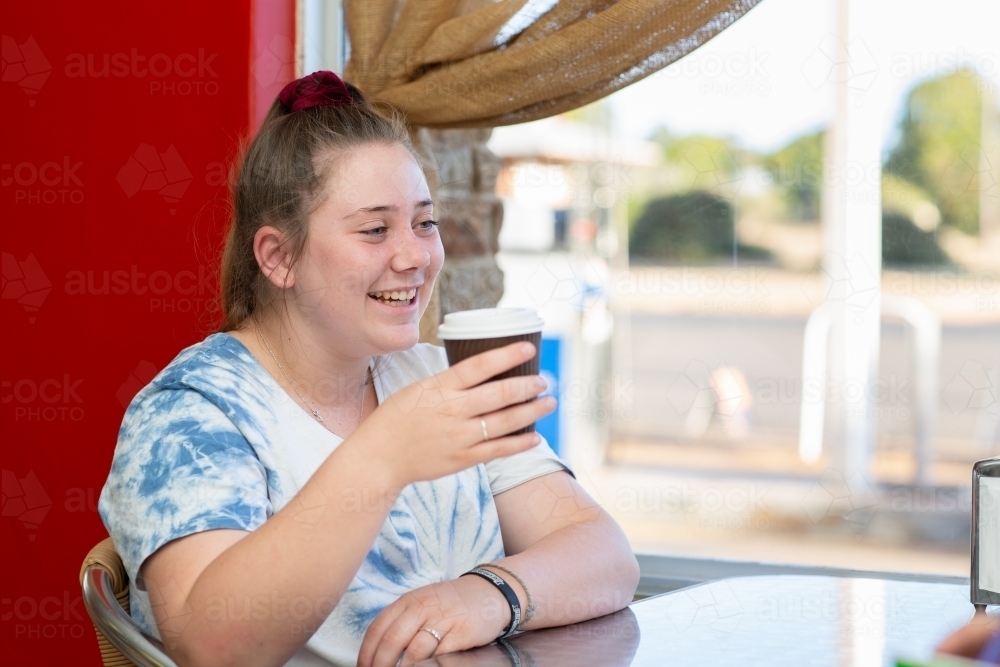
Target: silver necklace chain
{"x": 364, "y": 391}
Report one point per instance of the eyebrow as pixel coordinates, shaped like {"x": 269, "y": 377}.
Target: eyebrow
{"x": 390, "y": 208}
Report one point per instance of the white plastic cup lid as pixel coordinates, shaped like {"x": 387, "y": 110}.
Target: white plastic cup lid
{"x": 489, "y": 323}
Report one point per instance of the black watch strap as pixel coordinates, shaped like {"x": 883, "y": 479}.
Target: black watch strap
{"x": 508, "y": 592}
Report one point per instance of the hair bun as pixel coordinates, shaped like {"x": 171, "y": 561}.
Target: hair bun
{"x": 322, "y": 88}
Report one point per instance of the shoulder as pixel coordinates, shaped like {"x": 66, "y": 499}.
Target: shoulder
{"x": 201, "y": 401}
{"x": 219, "y": 357}
{"x": 219, "y": 368}
{"x": 182, "y": 463}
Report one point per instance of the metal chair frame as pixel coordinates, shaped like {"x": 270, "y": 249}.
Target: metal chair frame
{"x": 117, "y": 626}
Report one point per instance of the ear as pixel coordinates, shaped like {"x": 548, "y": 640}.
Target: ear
{"x": 271, "y": 250}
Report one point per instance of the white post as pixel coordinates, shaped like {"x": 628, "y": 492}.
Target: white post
{"x": 853, "y": 232}
{"x": 926, "y": 368}
{"x": 812, "y": 416}
{"x": 989, "y": 165}
{"x": 322, "y": 35}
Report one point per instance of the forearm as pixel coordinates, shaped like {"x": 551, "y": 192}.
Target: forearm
{"x": 581, "y": 571}
{"x": 261, "y": 599}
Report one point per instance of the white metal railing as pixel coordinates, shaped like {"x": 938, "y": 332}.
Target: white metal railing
{"x": 926, "y": 327}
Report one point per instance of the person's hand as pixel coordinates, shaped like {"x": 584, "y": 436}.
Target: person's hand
{"x": 970, "y": 639}
{"x": 466, "y": 612}
{"x": 432, "y": 427}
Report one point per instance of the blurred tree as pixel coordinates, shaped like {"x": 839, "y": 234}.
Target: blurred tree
{"x": 692, "y": 227}
{"x": 938, "y": 148}
{"x": 797, "y": 171}
{"x": 700, "y": 162}
{"x": 906, "y": 245}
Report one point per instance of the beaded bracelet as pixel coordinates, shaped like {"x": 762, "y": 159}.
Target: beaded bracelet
{"x": 531, "y": 605}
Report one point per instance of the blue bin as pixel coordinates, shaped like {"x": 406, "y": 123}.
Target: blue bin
{"x": 550, "y": 368}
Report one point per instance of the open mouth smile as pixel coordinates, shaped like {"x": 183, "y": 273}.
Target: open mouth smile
{"x": 395, "y": 299}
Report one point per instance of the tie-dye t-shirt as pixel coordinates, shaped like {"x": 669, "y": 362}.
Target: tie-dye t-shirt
{"x": 214, "y": 442}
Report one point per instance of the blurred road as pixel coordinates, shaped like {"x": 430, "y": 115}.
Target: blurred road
{"x": 672, "y": 356}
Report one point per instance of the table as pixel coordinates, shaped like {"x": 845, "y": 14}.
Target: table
{"x": 765, "y": 620}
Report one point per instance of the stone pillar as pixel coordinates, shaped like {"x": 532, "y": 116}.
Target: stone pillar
{"x": 470, "y": 215}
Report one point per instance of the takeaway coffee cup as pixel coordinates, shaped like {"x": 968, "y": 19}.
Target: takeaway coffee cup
{"x": 471, "y": 332}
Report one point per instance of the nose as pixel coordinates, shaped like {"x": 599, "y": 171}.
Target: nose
{"x": 410, "y": 254}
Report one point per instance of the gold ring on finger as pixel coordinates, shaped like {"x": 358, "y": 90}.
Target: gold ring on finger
{"x": 486, "y": 434}
{"x": 434, "y": 633}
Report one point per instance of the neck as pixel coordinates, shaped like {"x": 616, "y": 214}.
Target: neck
{"x": 325, "y": 375}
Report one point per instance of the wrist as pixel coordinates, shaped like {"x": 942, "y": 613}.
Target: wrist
{"x": 380, "y": 475}
{"x": 520, "y": 589}
{"x": 507, "y": 592}
{"x": 493, "y": 611}
{"x": 375, "y": 465}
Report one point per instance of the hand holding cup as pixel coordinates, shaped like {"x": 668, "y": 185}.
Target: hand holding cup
{"x": 432, "y": 427}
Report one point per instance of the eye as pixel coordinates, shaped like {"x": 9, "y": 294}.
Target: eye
{"x": 428, "y": 224}
{"x": 376, "y": 232}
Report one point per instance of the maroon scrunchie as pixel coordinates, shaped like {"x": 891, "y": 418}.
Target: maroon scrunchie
{"x": 321, "y": 88}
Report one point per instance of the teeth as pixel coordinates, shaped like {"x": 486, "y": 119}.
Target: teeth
{"x": 396, "y": 296}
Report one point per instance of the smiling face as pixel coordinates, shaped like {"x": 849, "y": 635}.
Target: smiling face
{"x": 374, "y": 235}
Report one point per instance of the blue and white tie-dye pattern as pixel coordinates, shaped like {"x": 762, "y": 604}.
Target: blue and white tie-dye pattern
{"x": 214, "y": 442}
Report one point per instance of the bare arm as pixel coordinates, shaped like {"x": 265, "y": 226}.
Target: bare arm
{"x": 571, "y": 554}
{"x": 307, "y": 553}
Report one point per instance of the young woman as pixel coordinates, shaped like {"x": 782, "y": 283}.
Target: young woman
{"x": 310, "y": 484}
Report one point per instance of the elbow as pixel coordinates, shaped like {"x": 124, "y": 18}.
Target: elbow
{"x": 210, "y": 653}
{"x": 630, "y": 574}
{"x": 620, "y": 563}
{"x": 190, "y": 655}
{"x": 626, "y": 565}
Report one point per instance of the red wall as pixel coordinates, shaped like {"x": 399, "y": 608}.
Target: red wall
{"x": 114, "y": 206}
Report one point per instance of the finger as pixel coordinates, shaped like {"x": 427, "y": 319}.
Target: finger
{"x": 515, "y": 417}
{"x": 397, "y": 637}
{"x": 421, "y": 647}
{"x": 500, "y": 447}
{"x": 479, "y": 368}
{"x": 375, "y": 631}
{"x": 496, "y": 395}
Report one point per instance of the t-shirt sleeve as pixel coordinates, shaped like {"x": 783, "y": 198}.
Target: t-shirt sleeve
{"x": 510, "y": 471}
{"x": 181, "y": 467}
